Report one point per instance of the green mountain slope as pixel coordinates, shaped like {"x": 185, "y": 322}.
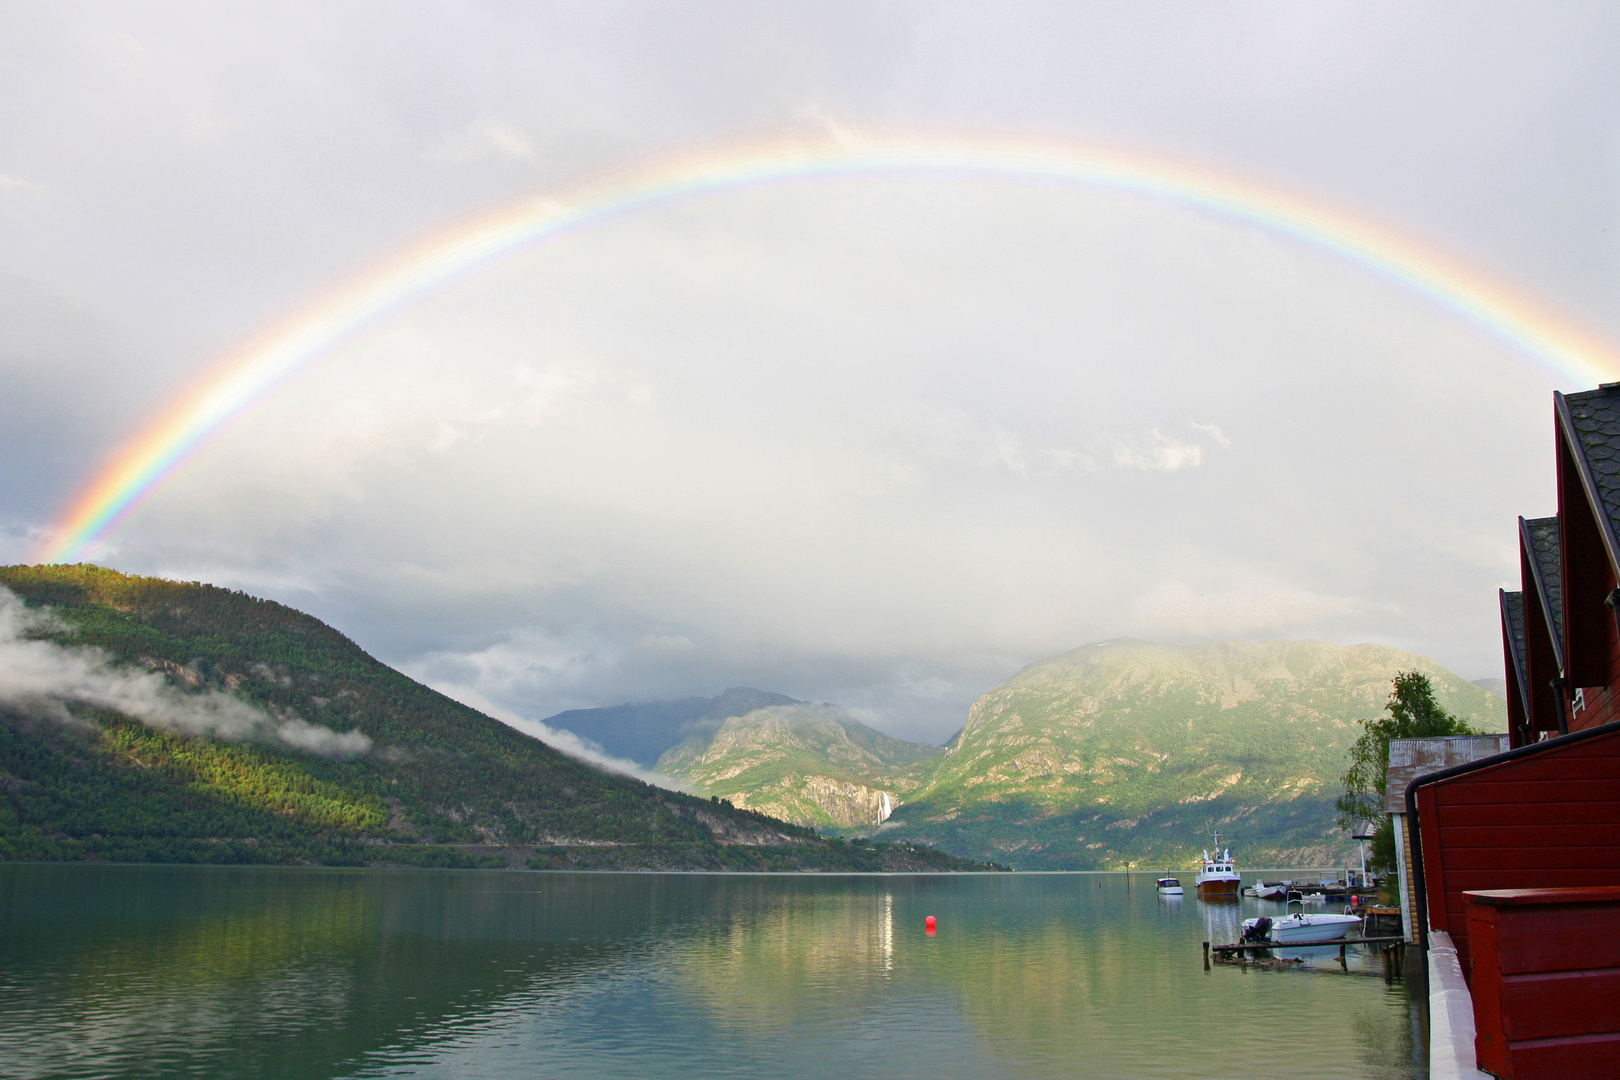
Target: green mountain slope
{"x": 330, "y": 756}
{"x": 810, "y": 764}
{"x": 1130, "y": 751}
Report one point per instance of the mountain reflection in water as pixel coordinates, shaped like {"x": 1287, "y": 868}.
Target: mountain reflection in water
{"x": 254, "y": 972}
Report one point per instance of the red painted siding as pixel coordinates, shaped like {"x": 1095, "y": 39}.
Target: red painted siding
{"x": 1602, "y": 707}
{"x": 1546, "y": 982}
{"x": 1547, "y": 820}
{"x": 1602, "y": 702}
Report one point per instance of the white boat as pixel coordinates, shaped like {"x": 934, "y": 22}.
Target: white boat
{"x": 1300, "y": 928}
{"x": 1168, "y": 886}
{"x": 1272, "y": 890}
{"x": 1218, "y": 879}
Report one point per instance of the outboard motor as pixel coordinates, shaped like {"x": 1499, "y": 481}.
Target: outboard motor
{"x": 1258, "y": 931}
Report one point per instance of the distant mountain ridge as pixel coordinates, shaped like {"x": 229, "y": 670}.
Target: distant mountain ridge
{"x": 1120, "y": 752}
{"x": 642, "y": 731}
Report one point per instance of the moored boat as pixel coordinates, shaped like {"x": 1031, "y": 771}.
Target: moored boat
{"x": 1168, "y": 886}
{"x": 1272, "y": 890}
{"x": 1218, "y": 879}
{"x": 1299, "y": 928}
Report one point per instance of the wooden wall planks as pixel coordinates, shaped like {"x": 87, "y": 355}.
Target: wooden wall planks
{"x": 1546, "y": 982}
{"x": 1548, "y": 819}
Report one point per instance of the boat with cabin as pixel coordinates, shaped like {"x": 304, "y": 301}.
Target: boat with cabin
{"x": 1218, "y": 879}
{"x": 1168, "y": 886}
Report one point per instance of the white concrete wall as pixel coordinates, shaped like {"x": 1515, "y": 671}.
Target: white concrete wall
{"x": 1403, "y": 852}
{"x": 1451, "y": 1015}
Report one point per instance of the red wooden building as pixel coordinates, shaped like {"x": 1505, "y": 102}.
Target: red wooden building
{"x": 1536, "y": 828}
{"x": 1544, "y": 816}
{"x": 1506, "y": 831}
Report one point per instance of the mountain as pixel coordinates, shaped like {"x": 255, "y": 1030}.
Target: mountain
{"x": 1130, "y": 751}
{"x": 642, "y": 731}
{"x": 1495, "y": 686}
{"x": 146, "y": 720}
{"x": 810, "y": 764}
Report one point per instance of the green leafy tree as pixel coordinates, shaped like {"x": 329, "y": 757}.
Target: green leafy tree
{"x": 1413, "y": 714}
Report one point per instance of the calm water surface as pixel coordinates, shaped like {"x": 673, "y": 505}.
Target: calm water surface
{"x": 253, "y": 972}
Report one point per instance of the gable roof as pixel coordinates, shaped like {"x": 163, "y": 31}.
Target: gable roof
{"x": 1513, "y": 637}
{"x": 1590, "y": 423}
{"x": 1412, "y": 758}
{"x": 1540, "y": 539}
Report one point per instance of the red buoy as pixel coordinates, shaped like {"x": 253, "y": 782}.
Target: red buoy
{"x": 928, "y": 924}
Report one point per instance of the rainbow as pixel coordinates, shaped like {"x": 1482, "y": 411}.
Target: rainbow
{"x": 256, "y": 368}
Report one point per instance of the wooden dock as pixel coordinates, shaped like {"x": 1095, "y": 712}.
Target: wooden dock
{"x": 1394, "y": 950}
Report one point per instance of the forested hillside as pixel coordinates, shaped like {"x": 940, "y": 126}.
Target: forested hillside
{"x": 1130, "y": 752}
{"x": 813, "y": 764}
{"x": 150, "y": 720}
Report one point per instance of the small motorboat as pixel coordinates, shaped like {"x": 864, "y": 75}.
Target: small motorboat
{"x": 1168, "y": 886}
{"x": 1272, "y": 890}
{"x": 1299, "y": 928}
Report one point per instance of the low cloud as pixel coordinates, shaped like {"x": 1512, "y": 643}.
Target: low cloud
{"x": 559, "y": 739}
{"x": 43, "y": 678}
{"x": 17, "y": 183}
{"x": 946, "y": 436}
{"x": 1213, "y": 431}
{"x": 956, "y": 437}
{"x": 1161, "y": 454}
{"x": 486, "y": 138}
{"x": 587, "y": 751}
{"x": 1257, "y": 605}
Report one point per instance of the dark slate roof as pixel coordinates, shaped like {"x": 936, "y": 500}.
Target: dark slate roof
{"x": 1513, "y": 607}
{"x": 1513, "y": 619}
{"x": 1594, "y": 424}
{"x": 1541, "y": 540}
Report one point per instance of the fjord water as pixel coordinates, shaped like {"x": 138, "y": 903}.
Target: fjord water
{"x": 123, "y": 971}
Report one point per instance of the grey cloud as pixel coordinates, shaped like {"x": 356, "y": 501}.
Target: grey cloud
{"x": 720, "y": 423}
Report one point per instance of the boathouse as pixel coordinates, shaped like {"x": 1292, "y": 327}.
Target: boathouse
{"x": 1408, "y": 760}
{"x": 1514, "y": 857}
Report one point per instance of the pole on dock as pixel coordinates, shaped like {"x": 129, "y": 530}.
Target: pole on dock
{"x": 1342, "y": 964}
{"x": 1206, "y": 956}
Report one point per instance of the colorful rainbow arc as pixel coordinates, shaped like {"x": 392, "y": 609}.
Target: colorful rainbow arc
{"x": 255, "y": 369}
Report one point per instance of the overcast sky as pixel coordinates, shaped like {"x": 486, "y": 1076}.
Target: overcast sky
{"x": 876, "y": 442}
